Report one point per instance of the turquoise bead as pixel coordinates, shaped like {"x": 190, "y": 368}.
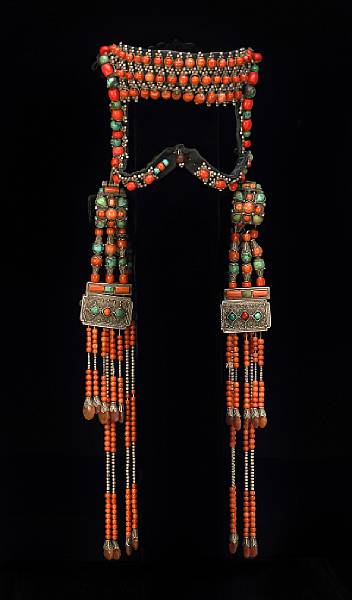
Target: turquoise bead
{"x": 122, "y": 201}
{"x": 236, "y": 217}
{"x": 115, "y": 125}
{"x": 246, "y": 256}
{"x": 109, "y": 289}
{"x": 249, "y": 91}
{"x": 239, "y": 195}
{"x": 255, "y": 67}
{"x": 247, "y": 114}
{"x": 257, "y": 315}
{"x": 166, "y": 162}
{"x": 234, "y": 268}
{"x": 156, "y": 171}
{"x": 257, "y": 219}
{"x": 116, "y": 104}
{"x": 110, "y": 262}
{"x": 122, "y": 262}
{"x": 111, "y": 81}
{"x": 121, "y": 224}
{"x": 101, "y": 201}
{"x": 97, "y": 248}
{"x": 231, "y": 316}
{"x": 103, "y": 59}
{"x": 246, "y": 134}
{"x": 259, "y": 264}
{"x": 120, "y": 313}
{"x": 100, "y": 223}
{"x": 94, "y": 310}
{"x": 260, "y": 197}
{"x": 115, "y": 142}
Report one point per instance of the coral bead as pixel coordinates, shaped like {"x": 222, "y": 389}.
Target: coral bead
{"x": 115, "y": 162}
{"x": 188, "y": 96}
{"x": 194, "y": 80}
{"x": 183, "y": 79}
{"x": 96, "y": 261}
{"x": 201, "y": 61}
{"x": 131, "y": 185}
{"x": 211, "y": 97}
{"x": 117, "y": 114}
{"x": 257, "y": 57}
{"x": 211, "y": 63}
{"x": 178, "y": 62}
{"x": 114, "y": 94}
{"x": 253, "y": 77}
{"x": 206, "y": 80}
{"x": 109, "y": 278}
{"x": 104, "y": 50}
{"x": 107, "y": 69}
{"x": 166, "y": 94}
{"x": 144, "y": 94}
{"x": 111, "y": 213}
{"x": 247, "y": 124}
{"x": 154, "y": 94}
{"x": 199, "y": 98}
{"x": 149, "y": 178}
{"x": 220, "y": 184}
{"x": 189, "y": 62}
{"x": 95, "y": 277}
{"x": 233, "y": 186}
{"x": 247, "y": 143}
{"x": 204, "y": 174}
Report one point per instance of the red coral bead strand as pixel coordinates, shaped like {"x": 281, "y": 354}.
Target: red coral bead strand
{"x": 88, "y": 407}
{"x": 113, "y": 379}
{"x": 262, "y": 413}
{"x": 128, "y": 517}
{"x": 246, "y": 420}
{"x": 104, "y": 413}
{"x": 96, "y": 393}
{"x": 107, "y": 548}
{"x": 135, "y": 539}
{"x": 120, "y": 383}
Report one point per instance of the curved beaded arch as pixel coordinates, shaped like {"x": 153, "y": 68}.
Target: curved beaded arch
{"x": 213, "y": 78}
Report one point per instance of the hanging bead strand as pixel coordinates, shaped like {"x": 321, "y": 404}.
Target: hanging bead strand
{"x": 262, "y": 413}
{"x": 108, "y": 548}
{"x": 113, "y": 380}
{"x": 253, "y": 548}
{"x": 234, "y": 256}
{"x": 104, "y": 413}
{"x": 246, "y": 419}
{"x": 96, "y": 394}
{"x": 128, "y": 518}
{"x": 246, "y": 257}
{"x": 120, "y": 377}
{"x": 110, "y": 246}
{"x": 88, "y": 407}
{"x": 135, "y": 540}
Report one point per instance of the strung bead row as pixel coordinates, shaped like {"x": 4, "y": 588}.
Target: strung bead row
{"x": 245, "y": 247}
{"x": 111, "y": 219}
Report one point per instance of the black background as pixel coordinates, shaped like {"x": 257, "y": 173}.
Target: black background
{"x": 52, "y": 465}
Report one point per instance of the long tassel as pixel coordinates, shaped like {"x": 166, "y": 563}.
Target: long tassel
{"x": 233, "y": 420}
{"x": 246, "y": 421}
{"x": 128, "y": 513}
{"x": 135, "y": 540}
{"x": 88, "y": 406}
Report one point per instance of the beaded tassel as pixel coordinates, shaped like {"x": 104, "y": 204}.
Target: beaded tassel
{"x": 135, "y": 541}
{"x": 128, "y": 517}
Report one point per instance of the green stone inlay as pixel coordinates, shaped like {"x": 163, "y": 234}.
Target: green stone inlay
{"x": 122, "y": 201}
{"x": 109, "y": 289}
{"x": 234, "y": 268}
{"x": 97, "y": 248}
{"x": 236, "y": 217}
{"x": 259, "y": 264}
{"x": 257, "y": 315}
{"x": 231, "y": 316}
{"x": 94, "y": 310}
{"x": 101, "y": 201}
{"x": 246, "y": 256}
{"x": 119, "y": 312}
{"x": 110, "y": 262}
{"x": 111, "y": 81}
{"x": 115, "y": 125}
{"x": 260, "y": 197}
{"x": 246, "y": 294}
{"x": 100, "y": 223}
{"x": 249, "y": 91}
